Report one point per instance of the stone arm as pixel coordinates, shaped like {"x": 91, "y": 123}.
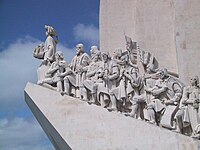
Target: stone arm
{"x": 134, "y": 80}
{"x": 128, "y": 76}
{"x": 178, "y": 93}
{"x": 91, "y": 73}
{"x": 71, "y": 64}
{"x": 52, "y": 69}
{"x": 115, "y": 73}
{"x": 159, "y": 90}
{"x": 67, "y": 71}
{"x": 85, "y": 60}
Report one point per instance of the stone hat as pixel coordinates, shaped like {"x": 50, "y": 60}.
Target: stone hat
{"x": 50, "y": 30}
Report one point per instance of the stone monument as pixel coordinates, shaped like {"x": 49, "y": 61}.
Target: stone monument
{"x": 167, "y": 29}
{"x": 119, "y": 97}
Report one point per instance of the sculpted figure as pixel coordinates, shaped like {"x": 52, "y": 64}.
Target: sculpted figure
{"x": 141, "y": 95}
{"x": 122, "y": 63}
{"x": 53, "y": 73}
{"x": 93, "y": 75}
{"x": 69, "y": 81}
{"x": 79, "y": 66}
{"x": 46, "y": 52}
{"x": 94, "y": 50}
{"x": 50, "y": 44}
{"x": 111, "y": 74}
{"x": 188, "y": 118}
{"x": 166, "y": 92}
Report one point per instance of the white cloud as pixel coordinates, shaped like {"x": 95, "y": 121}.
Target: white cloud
{"x": 21, "y": 134}
{"x": 86, "y": 33}
{"x": 17, "y": 67}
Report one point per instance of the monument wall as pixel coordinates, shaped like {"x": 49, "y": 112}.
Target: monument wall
{"x": 188, "y": 37}
{"x": 116, "y": 18}
{"x": 169, "y": 29}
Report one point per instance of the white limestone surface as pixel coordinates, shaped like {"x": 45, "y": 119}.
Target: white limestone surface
{"x": 188, "y": 38}
{"x": 151, "y": 23}
{"x": 73, "y": 124}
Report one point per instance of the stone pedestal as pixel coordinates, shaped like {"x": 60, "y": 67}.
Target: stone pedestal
{"x": 73, "y": 124}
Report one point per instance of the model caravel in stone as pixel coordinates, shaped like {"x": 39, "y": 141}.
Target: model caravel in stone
{"x": 116, "y": 83}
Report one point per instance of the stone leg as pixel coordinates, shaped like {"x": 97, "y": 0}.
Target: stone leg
{"x": 59, "y": 86}
{"x": 113, "y": 102}
{"x": 151, "y": 113}
{"x": 94, "y": 94}
{"x": 46, "y": 80}
{"x": 134, "y": 110}
{"x": 93, "y": 98}
{"x": 179, "y": 121}
{"x": 137, "y": 102}
{"x": 66, "y": 86}
{"x": 84, "y": 93}
{"x": 102, "y": 102}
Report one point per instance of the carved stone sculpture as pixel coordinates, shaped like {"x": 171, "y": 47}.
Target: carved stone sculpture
{"x": 50, "y": 44}
{"x": 79, "y": 66}
{"x": 111, "y": 74}
{"x": 167, "y": 92}
{"x": 46, "y": 52}
{"x": 118, "y": 84}
{"x": 92, "y": 82}
{"x": 53, "y": 73}
{"x": 188, "y": 118}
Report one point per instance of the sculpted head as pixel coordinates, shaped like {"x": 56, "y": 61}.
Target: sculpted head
{"x": 50, "y": 30}
{"x": 59, "y": 55}
{"x": 163, "y": 73}
{"x": 105, "y": 56}
{"x": 117, "y": 53}
{"x": 97, "y": 56}
{"x": 194, "y": 80}
{"x": 93, "y": 50}
{"x": 79, "y": 49}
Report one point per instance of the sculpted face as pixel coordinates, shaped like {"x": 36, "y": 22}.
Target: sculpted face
{"x": 96, "y": 58}
{"x": 161, "y": 74}
{"x": 194, "y": 81}
{"x": 79, "y": 49}
{"x": 59, "y": 55}
{"x": 104, "y": 57}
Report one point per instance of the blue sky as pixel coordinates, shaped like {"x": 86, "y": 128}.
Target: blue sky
{"x": 22, "y": 28}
